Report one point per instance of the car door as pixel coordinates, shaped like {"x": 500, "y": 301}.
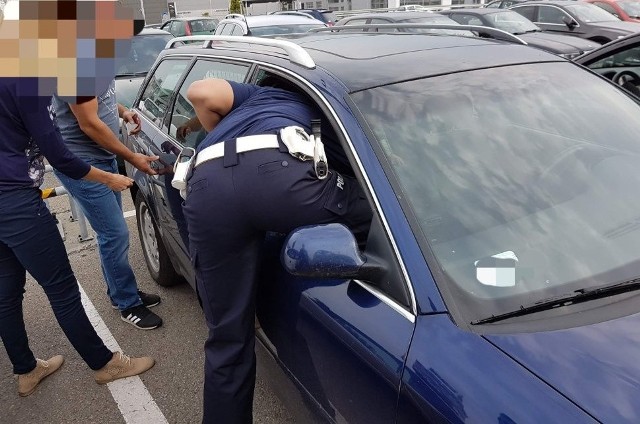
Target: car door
{"x": 344, "y": 341}
{"x": 152, "y": 107}
{"x": 181, "y": 128}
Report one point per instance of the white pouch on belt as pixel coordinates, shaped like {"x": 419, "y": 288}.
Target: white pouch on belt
{"x": 299, "y": 143}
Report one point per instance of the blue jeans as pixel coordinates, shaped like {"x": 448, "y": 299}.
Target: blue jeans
{"x": 103, "y": 209}
{"x": 30, "y": 241}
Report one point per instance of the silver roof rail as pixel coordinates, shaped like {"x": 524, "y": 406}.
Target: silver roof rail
{"x": 496, "y": 33}
{"x": 296, "y": 54}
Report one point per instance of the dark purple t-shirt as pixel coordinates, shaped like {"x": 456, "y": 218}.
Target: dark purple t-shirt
{"x": 261, "y": 110}
{"x": 25, "y": 121}
{"x": 265, "y": 110}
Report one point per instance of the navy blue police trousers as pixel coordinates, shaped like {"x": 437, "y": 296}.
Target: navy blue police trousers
{"x": 231, "y": 204}
{"x": 30, "y": 241}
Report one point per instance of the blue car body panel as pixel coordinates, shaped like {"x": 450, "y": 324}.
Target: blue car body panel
{"x": 596, "y": 365}
{"x": 457, "y": 376}
{"x": 327, "y": 335}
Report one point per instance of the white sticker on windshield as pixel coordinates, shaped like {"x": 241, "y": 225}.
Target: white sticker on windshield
{"x": 498, "y": 270}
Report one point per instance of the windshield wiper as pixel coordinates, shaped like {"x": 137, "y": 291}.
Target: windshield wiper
{"x": 133, "y": 74}
{"x": 575, "y": 297}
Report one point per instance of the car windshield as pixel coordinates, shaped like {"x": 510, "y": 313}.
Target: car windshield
{"x": 435, "y": 19}
{"x": 521, "y": 180}
{"x": 512, "y": 22}
{"x": 143, "y": 53}
{"x": 631, "y": 8}
{"x": 587, "y": 12}
{"x": 283, "y": 29}
{"x": 203, "y": 26}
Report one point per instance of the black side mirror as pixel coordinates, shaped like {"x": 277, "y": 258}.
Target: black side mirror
{"x": 569, "y": 22}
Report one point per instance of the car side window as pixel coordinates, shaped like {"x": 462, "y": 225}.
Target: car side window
{"x": 528, "y": 12}
{"x": 184, "y": 125}
{"x": 550, "y": 15}
{"x": 158, "y": 92}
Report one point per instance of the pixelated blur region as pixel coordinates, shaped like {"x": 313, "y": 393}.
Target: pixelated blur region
{"x": 71, "y": 46}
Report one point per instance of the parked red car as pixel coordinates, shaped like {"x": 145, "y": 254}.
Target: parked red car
{"x": 625, "y": 10}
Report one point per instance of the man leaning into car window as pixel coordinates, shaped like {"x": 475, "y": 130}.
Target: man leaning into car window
{"x": 254, "y": 172}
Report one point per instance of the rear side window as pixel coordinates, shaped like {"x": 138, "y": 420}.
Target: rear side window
{"x": 158, "y": 92}
{"x": 184, "y": 125}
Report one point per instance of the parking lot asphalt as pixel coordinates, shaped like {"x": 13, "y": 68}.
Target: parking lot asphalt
{"x": 170, "y": 392}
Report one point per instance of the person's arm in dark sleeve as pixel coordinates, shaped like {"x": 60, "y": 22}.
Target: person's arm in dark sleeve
{"x": 37, "y": 121}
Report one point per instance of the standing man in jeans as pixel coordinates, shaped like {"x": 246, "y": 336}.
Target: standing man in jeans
{"x": 90, "y": 131}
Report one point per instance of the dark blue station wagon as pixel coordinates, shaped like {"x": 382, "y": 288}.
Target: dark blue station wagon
{"x": 499, "y": 282}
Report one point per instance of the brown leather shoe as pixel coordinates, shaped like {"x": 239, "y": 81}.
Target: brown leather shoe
{"x": 28, "y": 382}
{"x": 121, "y": 366}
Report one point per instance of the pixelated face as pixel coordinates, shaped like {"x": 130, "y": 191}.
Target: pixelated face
{"x": 72, "y": 46}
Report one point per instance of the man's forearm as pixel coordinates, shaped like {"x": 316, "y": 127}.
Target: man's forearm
{"x": 99, "y": 132}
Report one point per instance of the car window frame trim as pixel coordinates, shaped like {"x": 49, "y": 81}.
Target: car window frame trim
{"x": 413, "y": 310}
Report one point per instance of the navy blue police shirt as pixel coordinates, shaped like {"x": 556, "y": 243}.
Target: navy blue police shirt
{"x": 25, "y": 122}
{"x": 266, "y": 110}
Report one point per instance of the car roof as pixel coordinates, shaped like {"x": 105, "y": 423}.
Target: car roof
{"x": 364, "y": 60}
{"x": 477, "y": 11}
{"x": 153, "y": 31}
{"x": 551, "y": 2}
{"x": 269, "y": 20}
{"x": 192, "y": 18}
{"x": 410, "y": 14}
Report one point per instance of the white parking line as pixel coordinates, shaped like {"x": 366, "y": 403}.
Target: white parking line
{"x": 128, "y": 214}
{"x": 132, "y": 397}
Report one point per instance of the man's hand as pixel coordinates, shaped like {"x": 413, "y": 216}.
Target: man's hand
{"x": 143, "y": 163}
{"x": 182, "y": 132}
{"x": 119, "y": 182}
{"x": 131, "y": 117}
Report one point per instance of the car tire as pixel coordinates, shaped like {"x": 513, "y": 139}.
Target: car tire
{"x": 153, "y": 250}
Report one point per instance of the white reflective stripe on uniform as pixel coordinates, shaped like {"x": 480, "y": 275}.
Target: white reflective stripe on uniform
{"x": 243, "y": 144}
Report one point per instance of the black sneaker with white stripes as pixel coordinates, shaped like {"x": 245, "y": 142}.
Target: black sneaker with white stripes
{"x": 148, "y": 299}
{"x": 141, "y": 317}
